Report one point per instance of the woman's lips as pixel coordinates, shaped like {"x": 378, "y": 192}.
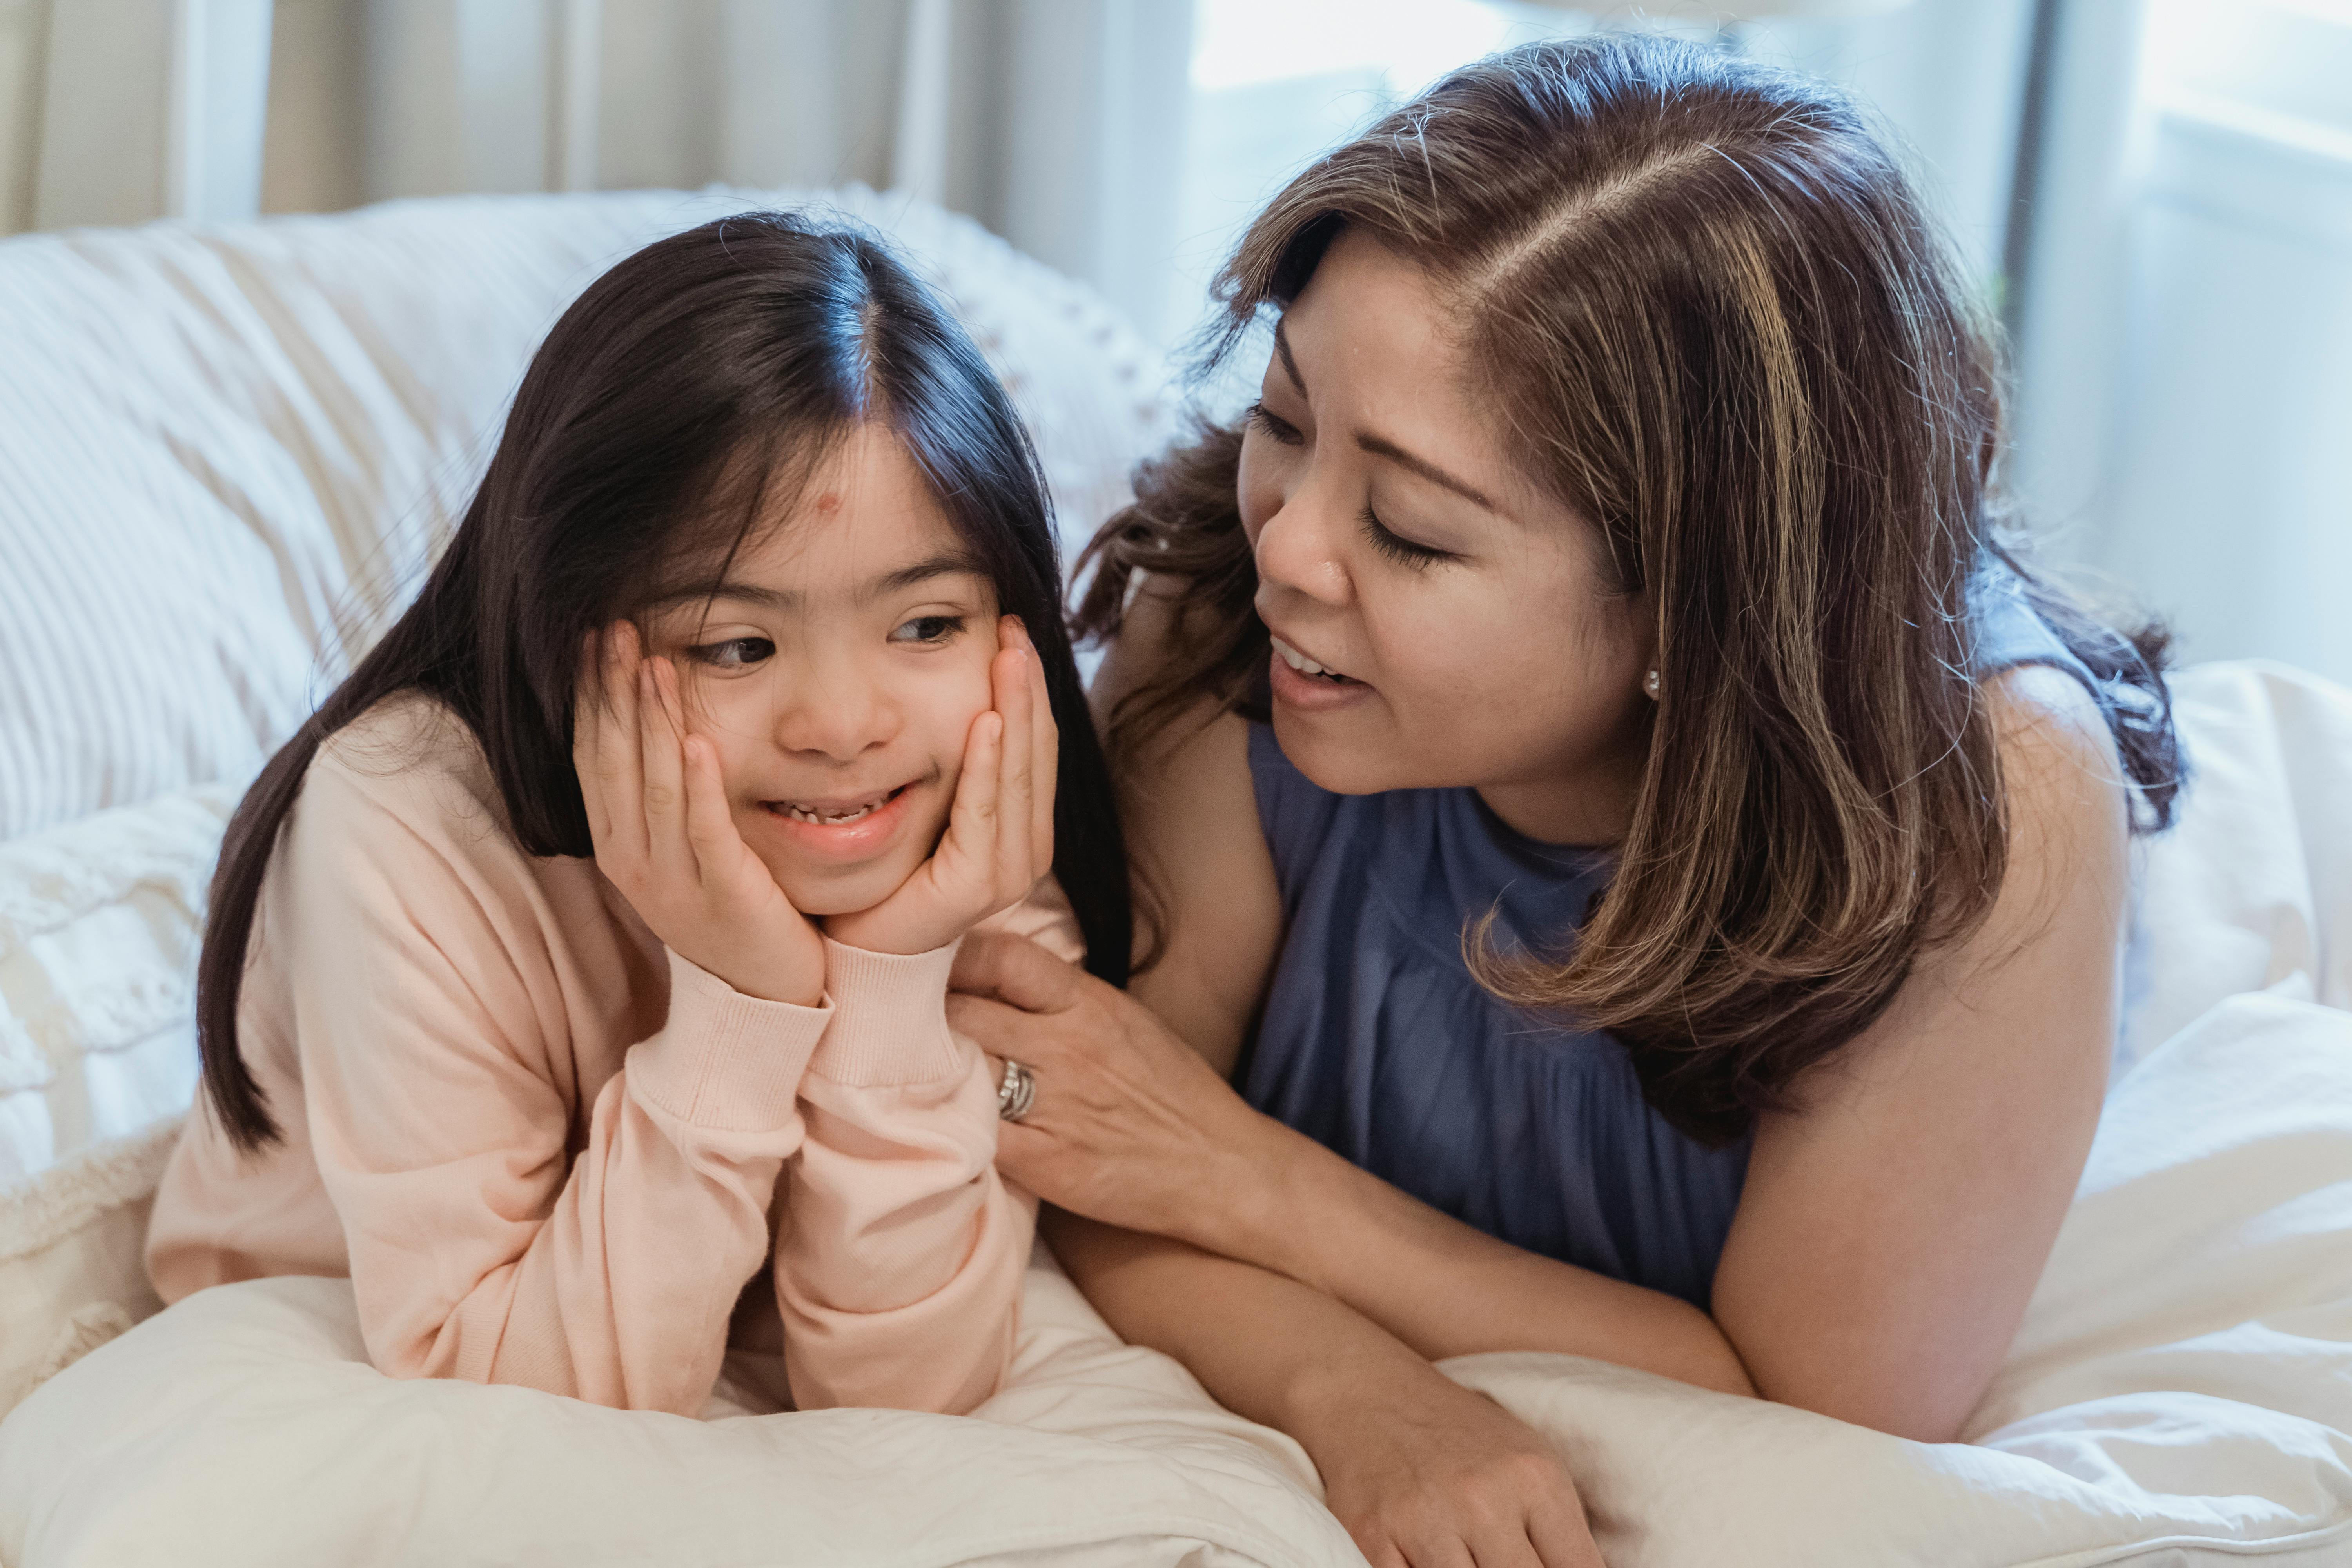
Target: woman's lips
{"x": 1295, "y": 688}
{"x": 842, "y": 828}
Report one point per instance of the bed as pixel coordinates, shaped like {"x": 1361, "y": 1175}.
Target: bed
{"x": 224, "y": 453}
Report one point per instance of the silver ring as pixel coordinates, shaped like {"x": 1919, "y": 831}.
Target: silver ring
{"x": 1016, "y": 1092}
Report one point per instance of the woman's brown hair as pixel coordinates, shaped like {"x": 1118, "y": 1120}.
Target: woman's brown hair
{"x": 1707, "y": 311}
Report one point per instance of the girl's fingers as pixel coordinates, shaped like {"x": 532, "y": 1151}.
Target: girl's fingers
{"x": 1045, "y": 766}
{"x": 972, "y": 817}
{"x": 661, "y": 736}
{"x": 710, "y": 826}
{"x": 620, "y": 769}
{"x": 587, "y": 705}
{"x": 1015, "y": 700}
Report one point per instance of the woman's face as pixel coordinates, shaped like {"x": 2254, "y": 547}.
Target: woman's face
{"x": 1462, "y": 608}
{"x": 838, "y": 670}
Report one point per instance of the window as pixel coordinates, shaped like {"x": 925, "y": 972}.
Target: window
{"x": 1273, "y": 83}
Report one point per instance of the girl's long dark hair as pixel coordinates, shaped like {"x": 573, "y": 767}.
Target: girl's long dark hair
{"x": 766, "y": 334}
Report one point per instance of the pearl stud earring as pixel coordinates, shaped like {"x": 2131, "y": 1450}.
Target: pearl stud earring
{"x": 1650, "y": 685}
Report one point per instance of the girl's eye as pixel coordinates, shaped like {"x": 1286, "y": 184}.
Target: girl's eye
{"x": 735, "y": 653}
{"x": 1398, "y": 548}
{"x": 1274, "y": 426}
{"x": 929, "y": 629}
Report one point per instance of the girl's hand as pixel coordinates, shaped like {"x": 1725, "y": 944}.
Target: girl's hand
{"x": 1000, "y": 837}
{"x": 658, "y": 815}
{"x": 1429, "y": 1473}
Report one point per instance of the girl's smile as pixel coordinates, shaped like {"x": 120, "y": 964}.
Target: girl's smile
{"x": 846, "y": 829}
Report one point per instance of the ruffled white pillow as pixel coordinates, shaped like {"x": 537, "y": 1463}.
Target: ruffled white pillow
{"x": 99, "y": 924}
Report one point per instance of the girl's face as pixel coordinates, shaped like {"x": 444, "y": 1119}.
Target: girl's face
{"x": 838, "y": 670}
{"x": 1462, "y": 607}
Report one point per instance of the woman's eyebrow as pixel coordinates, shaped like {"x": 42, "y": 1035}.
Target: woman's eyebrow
{"x": 1382, "y": 446}
{"x": 1289, "y": 365}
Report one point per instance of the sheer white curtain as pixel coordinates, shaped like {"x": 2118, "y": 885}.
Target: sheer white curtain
{"x": 1054, "y": 122}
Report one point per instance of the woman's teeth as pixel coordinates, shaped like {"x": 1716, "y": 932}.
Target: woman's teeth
{"x": 1304, "y": 665}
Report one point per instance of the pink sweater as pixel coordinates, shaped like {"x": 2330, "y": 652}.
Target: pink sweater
{"x": 548, "y": 1151}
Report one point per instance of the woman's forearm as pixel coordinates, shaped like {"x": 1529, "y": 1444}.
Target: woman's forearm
{"x": 1417, "y": 1468}
{"x": 1446, "y": 1289}
{"x": 1264, "y": 1345}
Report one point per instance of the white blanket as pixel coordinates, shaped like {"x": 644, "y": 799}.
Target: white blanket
{"x": 2181, "y": 1392}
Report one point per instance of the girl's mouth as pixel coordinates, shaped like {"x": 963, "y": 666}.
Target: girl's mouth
{"x": 844, "y": 829}
{"x": 833, "y": 813}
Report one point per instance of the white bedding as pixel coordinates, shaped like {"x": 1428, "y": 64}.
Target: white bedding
{"x": 2181, "y": 1392}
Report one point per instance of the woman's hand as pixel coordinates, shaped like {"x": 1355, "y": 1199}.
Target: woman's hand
{"x": 1426, "y": 1474}
{"x": 1000, "y": 837}
{"x": 658, "y": 816}
{"x": 1129, "y": 1126}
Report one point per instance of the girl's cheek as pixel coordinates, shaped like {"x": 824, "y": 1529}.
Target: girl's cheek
{"x": 738, "y": 716}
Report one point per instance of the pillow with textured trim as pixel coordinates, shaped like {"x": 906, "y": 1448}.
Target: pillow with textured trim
{"x": 99, "y": 924}
{"x": 72, "y": 1244}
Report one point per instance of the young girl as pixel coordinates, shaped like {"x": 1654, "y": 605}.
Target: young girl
{"x": 575, "y": 979}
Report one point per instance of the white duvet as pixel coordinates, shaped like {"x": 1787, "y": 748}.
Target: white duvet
{"x": 2181, "y": 1392}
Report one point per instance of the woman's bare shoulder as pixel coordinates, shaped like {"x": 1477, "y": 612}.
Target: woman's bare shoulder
{"x": 1214, "y": 913}
{"x": 2064, "y": 792}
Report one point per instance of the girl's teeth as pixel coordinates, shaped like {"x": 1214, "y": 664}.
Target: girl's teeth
{"x": 825, "y": 819}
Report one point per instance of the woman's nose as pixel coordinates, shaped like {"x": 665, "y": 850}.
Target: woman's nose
{"x": 1298, "y": 548}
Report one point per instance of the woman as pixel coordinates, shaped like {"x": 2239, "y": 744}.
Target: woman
{"x": 1671, "y": 915}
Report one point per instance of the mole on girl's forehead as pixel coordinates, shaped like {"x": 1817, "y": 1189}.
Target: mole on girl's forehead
{"x": 828, "y": 500}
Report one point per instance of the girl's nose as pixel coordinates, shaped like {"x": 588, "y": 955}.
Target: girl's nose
{"x": 833, "y": 711}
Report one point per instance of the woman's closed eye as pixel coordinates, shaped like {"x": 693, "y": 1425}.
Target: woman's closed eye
{"x": 1399, "y": 549}
{"x": 929, "y": 630}
{"x": 733, "y": 653}
{"x": 1274, "y": 425}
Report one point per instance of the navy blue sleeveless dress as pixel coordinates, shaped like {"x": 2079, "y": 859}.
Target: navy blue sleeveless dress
{"x": 1376, "y": 1042}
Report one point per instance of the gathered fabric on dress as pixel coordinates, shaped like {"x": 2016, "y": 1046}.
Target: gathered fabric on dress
{"x": 1376, "y": 1041}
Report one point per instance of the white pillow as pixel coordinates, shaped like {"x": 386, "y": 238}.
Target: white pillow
{"x": 72, "y": 1268}
{"x": 99, "y": 924}
{"x": 227, "y": 453}
{"x": 2254, "y": 883}
{"x": 244, "y": 1427}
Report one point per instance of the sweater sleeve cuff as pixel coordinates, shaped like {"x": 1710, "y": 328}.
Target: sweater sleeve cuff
{"x": 889, "y": 1018}
{"x": 724, "y": 1060}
